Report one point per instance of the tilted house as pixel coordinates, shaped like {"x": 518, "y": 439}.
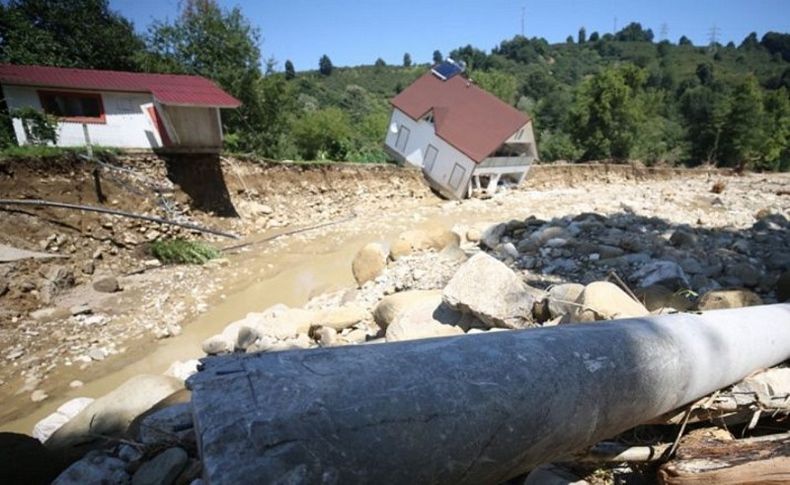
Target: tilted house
{"x": 120, "y": 109}
{"x": 460, "y": 135}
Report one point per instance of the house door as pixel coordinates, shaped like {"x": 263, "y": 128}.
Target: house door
{"x": 430, "y": 158}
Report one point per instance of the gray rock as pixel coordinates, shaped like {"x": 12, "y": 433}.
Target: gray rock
{"x": 163, "y": 469}
{"x": 406, "y": 329}
{"x": 246, "y": 337}
{"x": 746, "y": 273}
{"x": 106, "y": 284}
{"x": 168, "y": 425}
{"x": 606, "y": 251}
{"x": 489, "y": 290}
{"x": 369, "y": 262}
{"x": 61, "y": 277}
{"x": 217, "y": 344}
{"x": 95, "y": 467}
{"x": 493, "y": 234}
{"x": 665, "y": 273}
{"x": 602, "y": 300}
{"x": 415, "y": 305}
{"x": 510, "y": 250}
{"x": 683, "y": 239}
{"x": 562, "y": 299}
{"x": 81, "y": 309}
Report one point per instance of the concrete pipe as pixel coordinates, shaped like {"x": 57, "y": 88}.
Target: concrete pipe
{"x": 468, "y": 409}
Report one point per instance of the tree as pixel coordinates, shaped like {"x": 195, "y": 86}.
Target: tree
{"x": 437, "y": 57}
{"x": 472, "y": 56}
{"x": 633, "y": 32}
{"x": 582, "y": 35}
{"x": 323, "y": 134}
{"x": 743, "y": 134}
{"x": 776, "y": 151}
{"x": 684, "y": 40}
{"x": 67, "y": 33}
{"x": 569, "y": 39}
{"x": 502, "y": 85}
{"x": 606, "y": 116}
{"x": 775, "y": 43}
{"x": 705, "y": 73}
{"x": 704, "y": 112}
{"x": 406, "y": 60}
{"x": 221, "y": 45}
{"x": 290, "y": 72}
{"x": 594, "y": 37}
{"x": 325, "y": 65}
{"x": 380, "y": 62}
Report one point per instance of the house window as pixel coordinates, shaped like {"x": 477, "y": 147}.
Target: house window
{"x": 403, "y": 138}
{"x": 457, "y": 176}
{"x": 430, "y": 157}
{"x": 78, "y": 107}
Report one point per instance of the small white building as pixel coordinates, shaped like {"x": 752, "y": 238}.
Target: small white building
{"x": 462, "y": 137}
{"x": 120, "y": 109}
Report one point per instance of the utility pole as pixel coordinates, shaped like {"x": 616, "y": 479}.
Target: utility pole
{"x": 523, "y": 15}
{"x": 664, "y": 31}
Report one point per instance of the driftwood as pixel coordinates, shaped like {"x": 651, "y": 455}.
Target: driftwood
{"x": 763, "y": 394}
{"x": 763, "y": 460}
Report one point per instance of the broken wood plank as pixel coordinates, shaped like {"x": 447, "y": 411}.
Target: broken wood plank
{"x": 763, "y": 460}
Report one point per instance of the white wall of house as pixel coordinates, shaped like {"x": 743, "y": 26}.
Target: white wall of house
{"x": 126, "y": 125}
{"x": 451, "y": 170}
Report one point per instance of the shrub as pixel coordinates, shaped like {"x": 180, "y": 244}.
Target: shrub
{"x": 40, "y": 128}
{"x": 180, "y": 251}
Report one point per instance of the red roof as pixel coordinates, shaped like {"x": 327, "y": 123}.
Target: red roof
{"x": 172, "y": 89}
{"x": 465, "y": 116}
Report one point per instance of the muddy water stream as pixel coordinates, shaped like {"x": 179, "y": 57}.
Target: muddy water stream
{"x": 290, "y": 272}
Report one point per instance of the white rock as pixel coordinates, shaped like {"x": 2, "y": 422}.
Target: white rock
{"x": 44, "y": 428}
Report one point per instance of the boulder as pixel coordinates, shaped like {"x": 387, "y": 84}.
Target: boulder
{"x": 665, "y": 273}
{"x": 683, "y": 239}
{"x": 47, "y": 426}
{"x": 369, "y": 263}
{"x": 721, "y": 299}
{"x": 95, "y": 467}
{"x": 163, "y": 469}
{"x": 342, "y": 317}
{"x": 492, "y": 292}
{"x": 406, "y": 329}
{"x": 417, "y": 305}
{"x": 218, "y": 344}
{"x": 183, "y": 369}
{"x": 415, "y": 240}
{"x": 106, "y": 284}
{"x": 602, "y": 300}
{"x": 562, "y": 299}
{"x": 172, "y": 423}
{"x": 492, "y": 235}
{"x": 289, "y": 324}
{"x": 111, "y": 414}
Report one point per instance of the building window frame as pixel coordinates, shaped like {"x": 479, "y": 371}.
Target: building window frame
{"x": 403, "y": 139}
{"x": 46, "y": 98}
{"x": 461, "y": 171}
{"x": 431, "y": 152}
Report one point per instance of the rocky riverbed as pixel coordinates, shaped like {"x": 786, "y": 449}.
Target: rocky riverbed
{"x": 562, "y": 255}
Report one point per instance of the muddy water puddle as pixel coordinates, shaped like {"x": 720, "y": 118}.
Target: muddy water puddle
{"x": 290, "y": 270}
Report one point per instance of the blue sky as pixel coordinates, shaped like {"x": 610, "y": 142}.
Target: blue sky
{"x": 356, "y": 32}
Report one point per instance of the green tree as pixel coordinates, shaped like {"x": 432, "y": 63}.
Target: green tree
{"x": 380, "y": 62}
{"x": 750, "y": 42}
{"x": 684, "y": 40}
{"x": 437, "y": 56}
{"x": 634, "y": 32}
{"x": 502, "y": 85}
{"x": 743, "y": 132}
{"x": 606, "y": 116}
{"x": 325, "y": 65}
{"x": 776, "y": 42}
{"x": 569, "y": 39}
{"x": 406, "y": 60}
{"x": 594, "y": 37}
{"x": 67, "y": 33}
{"x": 221, "y": 45}
{"x": 582, "y": 35}
{"x": 323, "y": 135}
{"x": 705, "y": 74}
{"x": 290, "y": 72}
{"x": 473, "y": 57}
{"x": 704, "y": 112}
{"x": 776, "y": 151}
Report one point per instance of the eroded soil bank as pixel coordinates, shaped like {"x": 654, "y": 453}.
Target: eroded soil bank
{"x": 163, "y": 313}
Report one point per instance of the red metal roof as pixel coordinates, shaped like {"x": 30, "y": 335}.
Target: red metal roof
{"x": 172, "y": 89}
{"x": 465, "y": 116}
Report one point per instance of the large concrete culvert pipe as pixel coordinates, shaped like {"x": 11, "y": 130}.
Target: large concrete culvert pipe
{"x": 469, "y": 409}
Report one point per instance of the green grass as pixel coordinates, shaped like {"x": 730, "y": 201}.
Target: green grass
{"x": 48, "y": 151}
{"x": 180, "y": 251}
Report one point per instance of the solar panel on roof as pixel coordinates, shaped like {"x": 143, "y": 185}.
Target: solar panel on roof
{"x": 446, "y": 69}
